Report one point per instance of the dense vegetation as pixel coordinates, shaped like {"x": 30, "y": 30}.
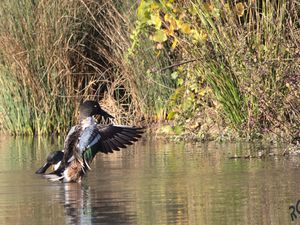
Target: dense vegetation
{"x": 212, "y": 69}
{"x": 55, "y": 54}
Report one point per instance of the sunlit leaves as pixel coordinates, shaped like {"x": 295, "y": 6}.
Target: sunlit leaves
{"x": 185, "y": 28}
{"x": 198, "y": 35}
{"x": 171, "y": 24}
{"x": 226, "y": 7}
{"x": 211, "y": 9}
{"x": 239, "y": 9}
{"x": 155, "y": 20}
{"x": 165, "y": 21}
{"x": 208, "y": 7}
{"x": 159, "y": 36}
{"x": 174, "y": 43}
{"x": 180, "y": 81}
{"x": 174, "y": 75}
{"x": 143, "y": 12}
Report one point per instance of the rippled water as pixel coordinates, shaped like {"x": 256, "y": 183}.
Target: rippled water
{"x": 153, "y": 182}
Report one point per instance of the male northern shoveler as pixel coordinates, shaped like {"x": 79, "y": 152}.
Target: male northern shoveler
{"x": 53, "y": 159}
{"x": 84, "y": 141}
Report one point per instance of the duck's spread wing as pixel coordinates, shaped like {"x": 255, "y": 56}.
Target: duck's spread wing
{"x": 106, "y": 138}
{"x": 114, "y": 137}
{"x": 89, "y": 137}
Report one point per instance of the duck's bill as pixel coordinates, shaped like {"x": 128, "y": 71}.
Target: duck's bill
{"x": 43, "y": 169}
{"x": 106, "y": 115}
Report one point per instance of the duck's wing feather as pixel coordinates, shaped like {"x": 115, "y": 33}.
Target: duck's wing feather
{"x": 71, "y": 141}
{"x": 112, "y": 138}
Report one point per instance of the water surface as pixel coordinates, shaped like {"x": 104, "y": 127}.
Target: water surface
{"x": 152, "y": 182}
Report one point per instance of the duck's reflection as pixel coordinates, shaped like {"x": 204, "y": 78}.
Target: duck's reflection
{"x": 83, "y": 205}
{"x": 75, "y": 198}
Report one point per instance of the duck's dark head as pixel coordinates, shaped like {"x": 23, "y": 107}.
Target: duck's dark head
{"x": 92, "y": 108}
{"x": 53, "y": 159}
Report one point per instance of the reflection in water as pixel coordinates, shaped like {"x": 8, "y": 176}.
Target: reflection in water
{"x": 150, "y": 183}
{"x": 74, "y": 199}
{"x": 81, "y": 210}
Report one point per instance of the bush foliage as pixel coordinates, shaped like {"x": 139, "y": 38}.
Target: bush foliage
{"x": 242, "y": 73}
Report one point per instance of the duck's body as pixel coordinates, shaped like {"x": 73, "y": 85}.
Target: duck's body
{"x": 85, "y": 140}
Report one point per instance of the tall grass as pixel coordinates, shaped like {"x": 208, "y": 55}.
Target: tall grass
{"x": 258, "y": 50}
{"x": 54, "y": 54}
{"x": 33, "y": 70}
{"x": 244, "y": 73}
{"x": 242, "y": 63}
{"x": 250, "y": 62}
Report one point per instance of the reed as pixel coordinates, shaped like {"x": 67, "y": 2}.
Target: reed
{"x": 241, "y": 70}
{"x": 250, "y": 63}
{"x": 34, "y": 72}
{"x": 55, "y": 54}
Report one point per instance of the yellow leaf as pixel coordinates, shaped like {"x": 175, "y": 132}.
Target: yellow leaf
{"x": 169, "y": 31}
{"x": 178, "y": 23}
{"x": 171, "y": 115}
{"x": 174, "y": 44}
{"x": 180, "y": 81}
{"x": 226, "y": 7}
{"x": 168, "y": 17}
{"x": 185, "y": 28}
{"x": 208, "y": 7}
{"x": 154, "y": 6}
{"x": 155, "y": 20}
{"x": 169, "y": 5}
{"x": 173, "y": 25}
{"x": 171, "y": 20}
{"x": 159, "y": 36}
{"x": 158, "y": 54}
{"x": 239, "y": 9}
{"x": 202, "y": 92}
{"x": 192, "y": 10}
{"x": 198, "y": 35}
{"x": 143, "y": 11}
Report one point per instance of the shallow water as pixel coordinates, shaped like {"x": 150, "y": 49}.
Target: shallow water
{"x": 152, "y": 182}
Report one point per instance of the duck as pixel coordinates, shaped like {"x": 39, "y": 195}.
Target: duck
{"x": 53, "y": 159}
{"x": 85, "y": 140}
